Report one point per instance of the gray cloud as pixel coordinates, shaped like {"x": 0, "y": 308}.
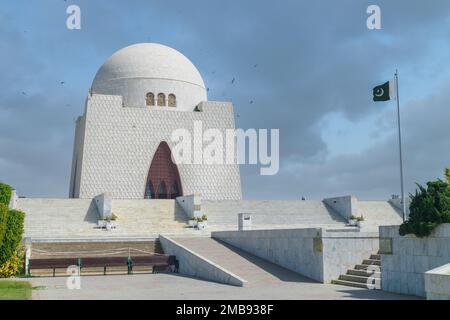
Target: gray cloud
{"x": 313, "y": 58}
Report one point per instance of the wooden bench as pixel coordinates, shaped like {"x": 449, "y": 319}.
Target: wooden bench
{"x": 105, "y": 262}
{"x": 157, "y": 261}
{"x": 52, "y": 263}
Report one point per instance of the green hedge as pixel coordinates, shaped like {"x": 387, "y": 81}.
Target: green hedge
{"x": 429, "y": 208}
{"x": 13, "y": 235}
{"x": 5, "y": 193}
{"x": 3, "y": 220}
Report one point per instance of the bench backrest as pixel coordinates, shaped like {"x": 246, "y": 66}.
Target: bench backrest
{"x": 157, "y": 259}
{"x": 51, "y": 263}
{"x": 104, "y": 261}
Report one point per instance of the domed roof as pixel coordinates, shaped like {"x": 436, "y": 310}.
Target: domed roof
{"x": 147, "y": 61}
{"x": 140, "y": 70}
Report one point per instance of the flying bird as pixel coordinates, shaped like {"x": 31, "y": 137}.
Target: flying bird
{"x": 232, "y": 81}
{"x": 251, "y": 101}
{"x": 254, "y": 66}
{"x": 24, "y": 93}
{"x": 62, "y": 82}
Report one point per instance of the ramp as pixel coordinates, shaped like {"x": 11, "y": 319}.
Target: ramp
{"x": 254, "y": 270}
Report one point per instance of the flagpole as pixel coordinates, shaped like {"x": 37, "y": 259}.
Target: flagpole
{"x": 400, "y": 149}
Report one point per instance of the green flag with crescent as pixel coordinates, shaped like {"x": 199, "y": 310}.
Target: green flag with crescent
{"x": 381, "y": 92}
{"x": 384, "y": 92}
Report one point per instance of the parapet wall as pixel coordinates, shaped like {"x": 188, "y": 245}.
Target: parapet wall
{"x": 405, "y": 259}
{"x": 193, "y": 264}
{"x": 315, "y": 253}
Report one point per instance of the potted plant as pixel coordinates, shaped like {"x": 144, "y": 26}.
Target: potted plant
{"x": 360, "y": 221}
{"x": 352, "y": 221}
{"x": 205, "y": 220}
{"x": 113, "y": 221}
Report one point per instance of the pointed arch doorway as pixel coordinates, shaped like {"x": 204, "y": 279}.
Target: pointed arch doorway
{"x": 163, "y": 178}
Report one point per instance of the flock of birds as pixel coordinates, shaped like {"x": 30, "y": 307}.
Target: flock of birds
{"x": 232, "y": 83}
{"x": 207, "y": 89}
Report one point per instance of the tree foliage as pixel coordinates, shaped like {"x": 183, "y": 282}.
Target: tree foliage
{"x": 430, "y": 206}
{"x": 12, "y": 236}
{"x": 3, "y": 220}
{"x": 5, "y": 193}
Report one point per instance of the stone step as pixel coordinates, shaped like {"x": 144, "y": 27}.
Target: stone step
{"x": 352, "y": 278}
{"x": 365, "y": 266}
{"x": 375, "y": 257}
{"x": 363, "y": 273}
{"x": 350, "y": 284}
{"x": 372, "y": 262}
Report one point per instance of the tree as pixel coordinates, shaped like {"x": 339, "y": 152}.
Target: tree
{"x": 447, "y": 174}
{"x": 430, "y": 206}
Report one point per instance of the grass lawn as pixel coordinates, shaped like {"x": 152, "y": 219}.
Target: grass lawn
{"x": 15, "y": 290}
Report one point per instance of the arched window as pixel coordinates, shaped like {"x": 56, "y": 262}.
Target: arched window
{"x": 150, "y": 99}
{"x": 172, "y": 100}
{"x": 162, "y": 193}
{"x": 161, "y": 100}
{"x": 174, "y": 192}
{"x": 149, "y": 193}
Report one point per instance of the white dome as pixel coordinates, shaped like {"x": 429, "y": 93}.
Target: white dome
{"x": 136, "y": 70}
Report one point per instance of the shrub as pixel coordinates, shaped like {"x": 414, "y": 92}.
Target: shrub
{"x": 3, "y": 220}
{"x": 429, "y": 208}
{"x": 5, "y": 194}
{"x": 12, "y": 236}
{"x": 14, "y": 265}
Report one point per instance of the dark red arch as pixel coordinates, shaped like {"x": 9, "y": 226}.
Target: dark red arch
{"x": 162, "y": 170}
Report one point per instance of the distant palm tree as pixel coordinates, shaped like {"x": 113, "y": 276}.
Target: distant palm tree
{"x": 447, "y": 174}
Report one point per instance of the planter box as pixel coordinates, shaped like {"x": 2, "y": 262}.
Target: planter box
{"x": 192, "y": 223}
{"x": 101, "y": 224}
{"x": 201, "y": 225}
{"x": 361, "y": 224}
{"x": 107, "y": 224}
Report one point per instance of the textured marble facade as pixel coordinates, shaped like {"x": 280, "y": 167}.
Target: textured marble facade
{"x": 114, "y": 147}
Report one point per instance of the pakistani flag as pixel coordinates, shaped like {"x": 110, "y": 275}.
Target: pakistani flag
{"x": 384, "y": 92}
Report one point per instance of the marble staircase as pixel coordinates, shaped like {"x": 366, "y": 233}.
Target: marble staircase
{"x": 366, "y": 275}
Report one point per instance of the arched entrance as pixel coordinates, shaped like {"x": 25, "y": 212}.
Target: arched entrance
{"x": 163, "y": 179}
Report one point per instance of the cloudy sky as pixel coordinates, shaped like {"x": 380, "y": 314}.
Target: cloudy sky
{"x": 308, "y": 66}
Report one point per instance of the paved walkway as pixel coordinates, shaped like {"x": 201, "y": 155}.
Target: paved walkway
{"x": 266, "y": 281}
{"x": 174, "y": 286}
